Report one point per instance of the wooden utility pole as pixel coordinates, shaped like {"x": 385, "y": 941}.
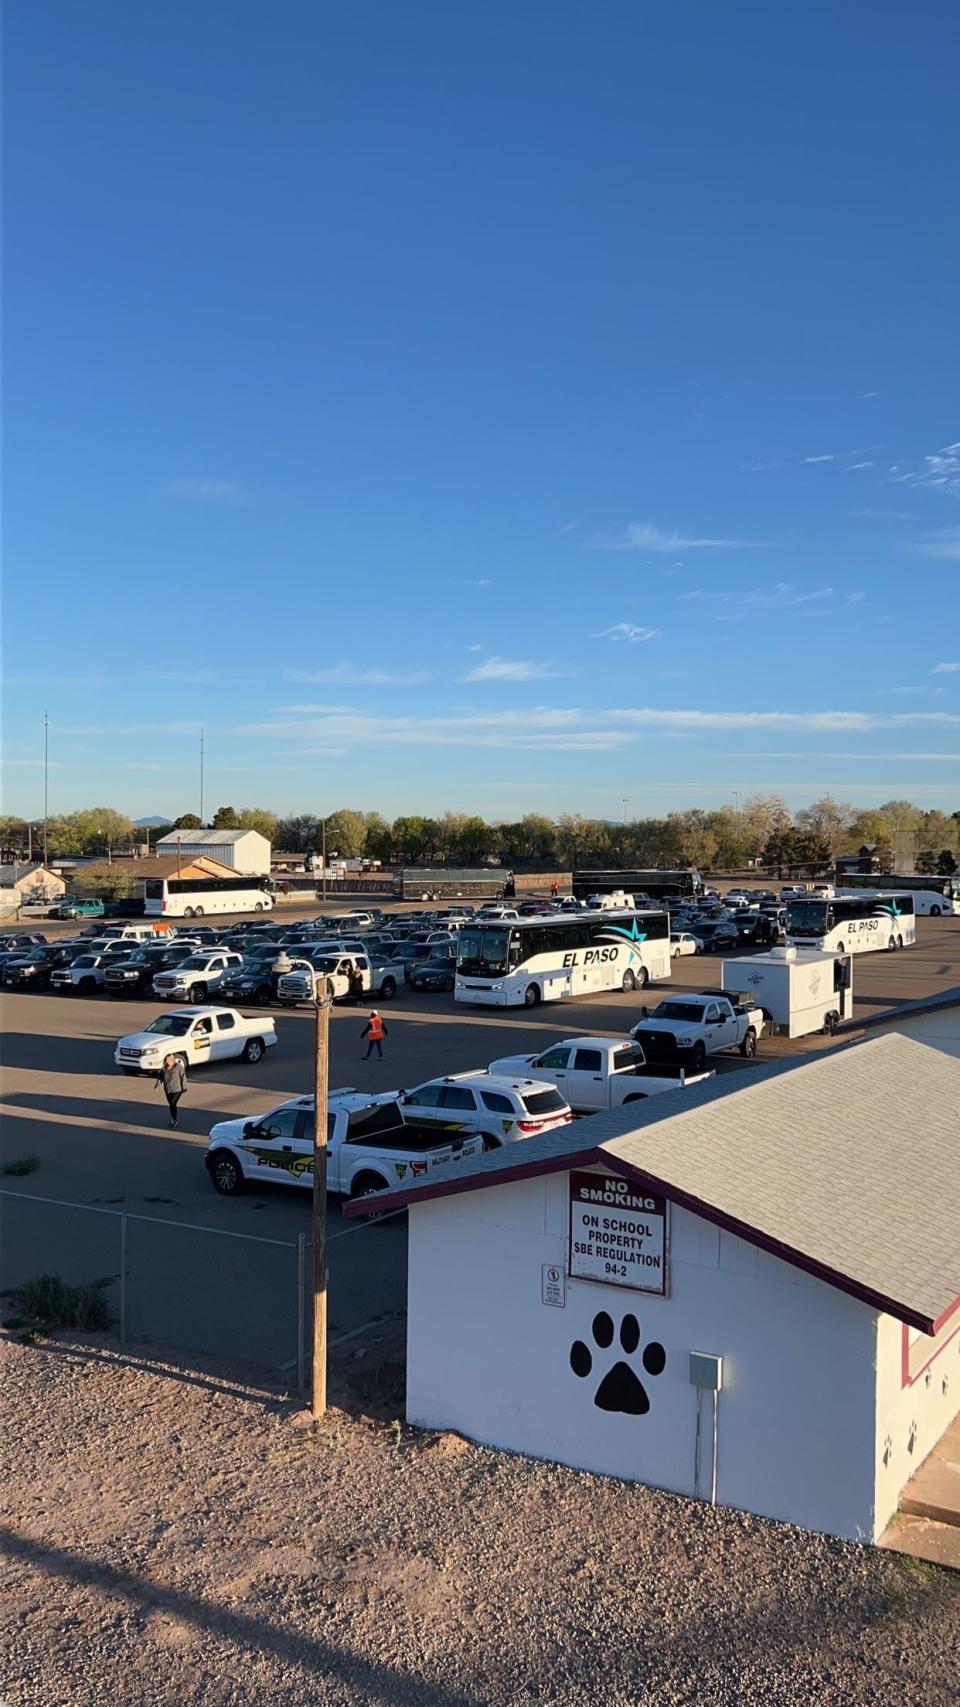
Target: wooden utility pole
{"x": 320, "y": 1202}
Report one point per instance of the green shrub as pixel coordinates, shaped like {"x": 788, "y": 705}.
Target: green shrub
{"x": 46, "y": 1301}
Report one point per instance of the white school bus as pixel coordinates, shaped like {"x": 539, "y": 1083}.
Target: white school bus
{"x": 543, "y": 960}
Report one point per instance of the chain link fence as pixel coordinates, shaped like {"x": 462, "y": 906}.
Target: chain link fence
{"x": 192, "y": 1288}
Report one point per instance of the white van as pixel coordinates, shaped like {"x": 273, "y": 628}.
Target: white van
{"x": 129, "y": 933}
{"x": 615, "y": 898}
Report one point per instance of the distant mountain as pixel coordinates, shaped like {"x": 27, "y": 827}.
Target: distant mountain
{"x": 151, "y": 823}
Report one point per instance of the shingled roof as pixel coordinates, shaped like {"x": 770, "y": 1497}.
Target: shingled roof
{"x": 844, "y": 1164}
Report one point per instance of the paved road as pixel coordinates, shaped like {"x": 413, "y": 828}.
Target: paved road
{"x": 102, "y": 1138}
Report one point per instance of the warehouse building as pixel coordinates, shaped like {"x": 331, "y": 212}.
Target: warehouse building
{"x": 746, "y": 1291}
{"x": 245, "y": 851}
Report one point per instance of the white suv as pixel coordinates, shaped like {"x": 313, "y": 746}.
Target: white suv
{"x": 501, "y": 1107}
{"x": 196, "y": 976}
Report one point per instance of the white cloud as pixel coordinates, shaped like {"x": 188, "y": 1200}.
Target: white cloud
{"x": 828, "y": 457}
{"x": 855, "y": 465}
{"x": 202, "y": 489}
{"x": 349, "y": 675}
{"x": 646, "y": 536}
{"x": 468, "y": 582}
{"x": 941, "y": 471}
{"x": 30, "y": 764}
{"x": 945, "y": 545}
{"x": 785, "y": 593}
{"x": 627, "y": 631}
{"x": 508, "y": 670}
{"x": 855, "y": 598}
{"x": 944, "y": 669}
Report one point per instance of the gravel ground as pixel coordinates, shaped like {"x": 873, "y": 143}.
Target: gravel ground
{"x": 177, "y": 1536}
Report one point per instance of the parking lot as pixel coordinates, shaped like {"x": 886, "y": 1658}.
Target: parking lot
{"x": 102, "y": 1139}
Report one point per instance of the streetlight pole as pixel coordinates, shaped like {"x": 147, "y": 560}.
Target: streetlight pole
{"x": 321, "y": 1080}
{"x": 46, "y": 781}
{"x": 201, "y": 779}
{"x": 625, "y": 801}
{"x": 323, "y": 856}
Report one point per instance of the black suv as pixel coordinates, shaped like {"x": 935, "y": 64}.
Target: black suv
{"x": 32, "y": 969}
{"x": 754, "y": 927}
{"x": 134, "y": 977}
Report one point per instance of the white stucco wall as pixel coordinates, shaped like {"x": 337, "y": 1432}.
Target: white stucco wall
{"x": 939, "y": 1030}
{"x": 911, "y": 1417}
{"x": 486, "y": 1357}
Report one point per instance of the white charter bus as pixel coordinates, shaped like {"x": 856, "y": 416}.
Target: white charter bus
{"x": 191, "y": 898}
{"x": 852, "y": 924}
{"x": 931, "y": 894}
{"x": 542, "y": 960}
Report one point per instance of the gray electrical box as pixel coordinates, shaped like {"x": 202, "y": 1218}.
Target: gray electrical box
{"x": 706, "y": 1370}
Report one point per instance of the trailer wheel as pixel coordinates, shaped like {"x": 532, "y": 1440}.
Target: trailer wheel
{"x": 749, "y": 1044}
{"x": 830, "y": 1023}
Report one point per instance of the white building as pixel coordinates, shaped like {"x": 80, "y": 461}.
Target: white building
{"x": 934, "y": 1020}
{"x": 245, "y": 851}
{"x": 747, "y": 1291}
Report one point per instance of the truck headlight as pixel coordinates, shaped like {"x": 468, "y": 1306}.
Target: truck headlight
{"x": 684, "y": 1042}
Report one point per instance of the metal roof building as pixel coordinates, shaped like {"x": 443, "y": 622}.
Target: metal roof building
{"x": 242, "y": 850}
{"x": 750, "y": 1289}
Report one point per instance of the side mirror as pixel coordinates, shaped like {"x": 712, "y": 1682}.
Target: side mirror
{"x": 249, "y": 1129}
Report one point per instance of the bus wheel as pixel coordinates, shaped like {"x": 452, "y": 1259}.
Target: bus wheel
{"x": 198, "y": 912}
{"x": 188, "y": 912}
{"x": 891, "y": 945}
{"x": 259, "y": 907}
{"x": 641, "y": 979}
{"x": 934, "y": 912}
{"x": 629, "y": 982}
{"x": 899, "y": 941}
{"x": 531, "y": 996}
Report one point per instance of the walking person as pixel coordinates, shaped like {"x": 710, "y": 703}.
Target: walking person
{"x": 173, "y": 1077}
{"x": 374, "y": 1031}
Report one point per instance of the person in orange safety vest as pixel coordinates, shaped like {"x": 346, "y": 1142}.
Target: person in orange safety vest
{"x": 374, "y": 1031}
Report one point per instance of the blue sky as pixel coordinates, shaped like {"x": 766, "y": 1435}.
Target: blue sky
{"x": 490, "y": 407}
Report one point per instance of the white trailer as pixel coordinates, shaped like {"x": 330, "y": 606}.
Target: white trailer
{"x": 799, "y": 990}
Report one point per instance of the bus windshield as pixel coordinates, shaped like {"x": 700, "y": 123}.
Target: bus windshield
{"x": 807, "y": 918}
{"x": 483, "y": 953}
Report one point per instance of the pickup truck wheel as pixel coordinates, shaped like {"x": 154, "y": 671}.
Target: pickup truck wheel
{"x": 749, "y": 1044}
{"x": 448, "y": 984}
{"x": 388, "y": 988}
{"x": 183, "y": 1061}
{"x": 226, "y": 1175}
{"x": 628, "y": 981}
{"x": 198, "y": 993}
{"x": 364, "y": 1186}
{"x": 262, "y": 996}
{"x": 531, "y": 995}
{"x": 86, "y": 985}
{"x": 699, "y": 1057}
{"x": 254, "y": 1051}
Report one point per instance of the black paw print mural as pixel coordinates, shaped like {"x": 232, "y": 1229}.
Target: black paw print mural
{"x": 621, "y": 1388}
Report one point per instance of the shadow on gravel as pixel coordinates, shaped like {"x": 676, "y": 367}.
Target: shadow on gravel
{"x": 150, "y": 1110}
{"x": 171, "y": 1368}
{"x": 376, "y": 1681}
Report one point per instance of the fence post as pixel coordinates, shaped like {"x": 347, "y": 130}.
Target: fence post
{"x": 123, "y": 1283}
{"x": 301, "y": 1287}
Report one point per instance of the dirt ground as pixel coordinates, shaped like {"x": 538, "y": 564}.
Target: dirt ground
{"x": 174, "y": 1535}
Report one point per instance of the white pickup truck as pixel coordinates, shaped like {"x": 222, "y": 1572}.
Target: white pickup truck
{"x": 686, "y": 1029}
{"x": 196, "y": 1035}
{"x": 195, "y": 977}
{"x": 369, "y": 1147}
{"x": 599, "y": 1072}
{"x": 380, "y": 978}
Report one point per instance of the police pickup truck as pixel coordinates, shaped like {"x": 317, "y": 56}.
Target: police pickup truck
{"x": 689, "y": 1028}
{"x": 599, "y": 1072}
{"x": 369, "y": 1147}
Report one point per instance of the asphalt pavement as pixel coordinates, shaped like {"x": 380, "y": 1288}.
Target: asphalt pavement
{"x": 102, "y": 1140}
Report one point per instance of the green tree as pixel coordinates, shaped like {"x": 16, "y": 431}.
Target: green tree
{"x": 734, "y": 841}
{"x": 829, "y": 818}
{"x": 225, "y": 818}
{"x": 411, "y": 838}
{"x": 475, "y": 840}
{"x": 378, "y": 839}
{"x": 187, "y": 821}
{"x": 298, "y": 834}
{"x": 258, "y": 818}
{"x": 346, "y": 832}
{"x": 946, "y": 863}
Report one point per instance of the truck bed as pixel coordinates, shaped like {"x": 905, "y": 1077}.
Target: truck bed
{"x": 385, "y": 1130}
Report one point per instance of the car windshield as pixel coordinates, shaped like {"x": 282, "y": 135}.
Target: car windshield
{"x": 543, "y": 1102}
{"x": 482, "y": 951}
{"x": 677, "y": 1010}
{"x": 172, "y": 1025}
{"x": 86, "y": 960}
{"x": 807, "y": 918}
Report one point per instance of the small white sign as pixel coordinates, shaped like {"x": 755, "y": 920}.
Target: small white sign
{"x": 617, "y": 1233}
{"x": 553, "y": 1285}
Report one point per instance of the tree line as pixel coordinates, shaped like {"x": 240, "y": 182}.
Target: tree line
{"x": 723, "y": 839}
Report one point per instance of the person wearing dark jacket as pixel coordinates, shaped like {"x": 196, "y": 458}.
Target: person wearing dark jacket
{"x": 173, "y": 1077}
